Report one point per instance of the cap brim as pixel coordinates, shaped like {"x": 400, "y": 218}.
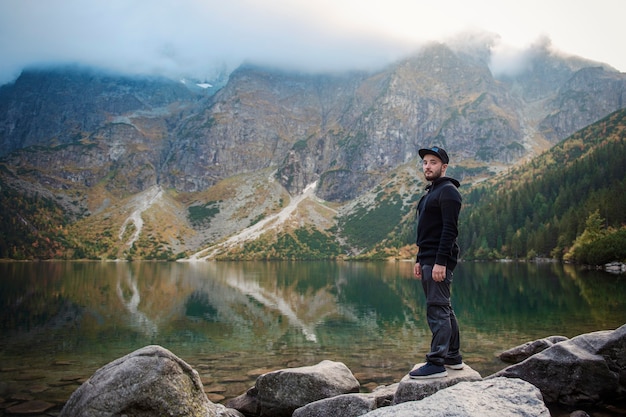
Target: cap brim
{"x": 424, "y": 152}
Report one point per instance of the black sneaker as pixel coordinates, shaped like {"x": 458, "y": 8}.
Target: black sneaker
{"x": 429, "y": 370}
{"x": 453, "y": 364}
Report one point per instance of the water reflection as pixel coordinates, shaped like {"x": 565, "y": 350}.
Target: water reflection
{"x": 539, "y": 298}
{"x": 228, "y": 318}
{"x": 128, "y": 294}
{"x": 291, "y": 308}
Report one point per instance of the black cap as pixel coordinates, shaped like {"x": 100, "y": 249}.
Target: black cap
{"x": 437, "y": 151}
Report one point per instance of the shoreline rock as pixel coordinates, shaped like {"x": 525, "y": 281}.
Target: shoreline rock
{"x": 149, "y": 381}
{"x": 522, "y": 352}
{"x": 280, "y": 393}
{"x": 587, "y": 370}
{"x": 494, "y": 398}
{"x": 417, "y": 389}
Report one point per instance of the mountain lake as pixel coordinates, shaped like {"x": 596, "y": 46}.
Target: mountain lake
{"x": 232, "y": 321}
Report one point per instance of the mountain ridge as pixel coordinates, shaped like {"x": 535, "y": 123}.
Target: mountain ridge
{"x": 348, "y": 133}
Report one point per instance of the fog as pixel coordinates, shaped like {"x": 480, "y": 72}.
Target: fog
{"x": 196, "y": 38}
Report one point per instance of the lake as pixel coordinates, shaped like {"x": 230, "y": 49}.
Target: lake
{"x": 231, "y": 321}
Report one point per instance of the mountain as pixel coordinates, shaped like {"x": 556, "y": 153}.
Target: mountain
{"x": 66, "y": 105}
{"x": 273, "y": 163}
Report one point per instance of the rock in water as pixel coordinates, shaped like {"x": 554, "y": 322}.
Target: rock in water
{"x": 151, "y": 381}
{"x": 587, "y": 369}
{"x": 281, "y": 392}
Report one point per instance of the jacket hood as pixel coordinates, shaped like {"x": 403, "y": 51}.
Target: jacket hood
{"x": 439, "y": 180}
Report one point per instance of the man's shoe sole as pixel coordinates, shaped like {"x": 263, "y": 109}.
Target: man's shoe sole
{"x": 456, "y": 367}
{"x": 437, "y": 375}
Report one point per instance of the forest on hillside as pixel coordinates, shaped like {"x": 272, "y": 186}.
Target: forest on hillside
{"x": 541, "y": 208}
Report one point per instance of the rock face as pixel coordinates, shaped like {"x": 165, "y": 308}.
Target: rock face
{"x": 281, "y": 392}
{"x": 151, "y": 381}
{"x": 587, "y": 369}
{"x": 491, "y": 398}
{"x": 349, "y": 128}
{"x": 59, "y": 106}
{"x": 595, "y": 87}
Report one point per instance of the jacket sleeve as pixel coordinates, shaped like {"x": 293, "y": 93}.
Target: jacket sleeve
{"x": 450, "y": 204}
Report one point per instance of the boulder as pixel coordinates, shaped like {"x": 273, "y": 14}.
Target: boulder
{"x": 349, "y": 405}
{"x": 589, "y": 369}
{"x": 346, "y": 405}
{"x": 280, "y": 393}
{"x": 223, "y": 411}
{"x": 528, "y": 349}
{"x": 384, "y": 394}
{"x": 151, "y": 381}
{"x": 416, "y": 389}
{"x": 496, "y": 397}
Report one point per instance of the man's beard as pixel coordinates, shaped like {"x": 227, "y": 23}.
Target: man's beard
{"x": 433, "y": 175}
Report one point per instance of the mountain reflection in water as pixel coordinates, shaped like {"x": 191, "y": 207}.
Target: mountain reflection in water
{"x": 231, "y": 321}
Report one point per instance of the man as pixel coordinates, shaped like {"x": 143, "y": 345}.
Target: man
{"x": 438, "y": 251}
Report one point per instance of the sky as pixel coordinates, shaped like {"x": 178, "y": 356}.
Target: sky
{"x": 196, "y": 38}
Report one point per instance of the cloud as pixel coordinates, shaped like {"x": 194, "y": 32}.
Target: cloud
{"x": 194, "y": 37}
{"x": 176, "y": 38}
{"x": 508, "y": 60}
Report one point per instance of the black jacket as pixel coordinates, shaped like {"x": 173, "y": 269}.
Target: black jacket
{"x": 437, "y": 223}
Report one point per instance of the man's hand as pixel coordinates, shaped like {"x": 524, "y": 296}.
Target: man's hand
{"x": 439, "y": 273}
{"x": 417, "y": 271}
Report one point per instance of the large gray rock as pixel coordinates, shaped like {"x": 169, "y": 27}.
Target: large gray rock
{"x": 151, "y": 381}
{"x": 346, "y": 405}
{"x": 587, "y": 369}
{"x": 384, "y": 394}
{"x": 416, "y": 389}
{"x": 349, "y": 405}
{"x": 528, "y": 349}
{"x": 281, "y": 392}
{"x": 496, "y": 397}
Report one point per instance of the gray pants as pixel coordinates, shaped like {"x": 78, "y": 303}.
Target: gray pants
{"x": 445, "y": 344}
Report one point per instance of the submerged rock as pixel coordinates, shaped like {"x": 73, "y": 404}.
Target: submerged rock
{"x": 30, "y": 407}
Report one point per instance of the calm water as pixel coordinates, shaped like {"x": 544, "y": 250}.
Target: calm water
{"x": 60, "y": 322}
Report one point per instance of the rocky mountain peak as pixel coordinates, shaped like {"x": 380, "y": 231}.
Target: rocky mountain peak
{"x": 103, "y": 136}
